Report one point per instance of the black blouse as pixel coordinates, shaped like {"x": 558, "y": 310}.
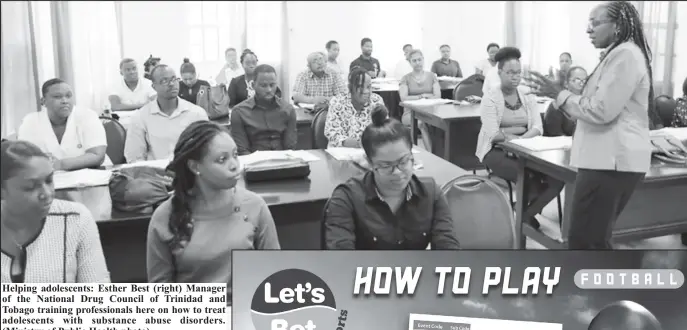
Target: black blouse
{"x": 357, "y": 218}
{"x": 191, "y": 93}
{"x": 238, "y": 90}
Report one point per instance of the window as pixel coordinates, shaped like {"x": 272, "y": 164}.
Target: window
{"x": 209, "y": 28}
{"x": 655, "y": 15}
{"x": 264, "y": 30}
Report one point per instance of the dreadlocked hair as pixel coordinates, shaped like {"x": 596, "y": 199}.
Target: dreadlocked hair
{"x": 630, "y": 29}
{"x": 356, "y": 78}
{"x": 192, "y": 145}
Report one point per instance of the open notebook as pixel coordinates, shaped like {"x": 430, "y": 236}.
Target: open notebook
{"x": 428, "y": 102}
{"x": 541, "y": 143}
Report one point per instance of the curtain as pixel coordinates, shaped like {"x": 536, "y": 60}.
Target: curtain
{"x": 95, "y": 48}
{"x": 265, "y": 33}
{"x": 20, "y": 93}
{"x": 680, "y": 60}
{"x": 660, "y": 33}
{"x": 543, "y": 30}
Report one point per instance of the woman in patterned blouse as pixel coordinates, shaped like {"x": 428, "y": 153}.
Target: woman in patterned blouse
{"x": 349, "y": 114}
{"x": 680, "y": 115}
{"x": 44, "y": 240}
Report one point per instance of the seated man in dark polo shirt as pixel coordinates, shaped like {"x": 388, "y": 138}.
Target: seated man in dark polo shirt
{"x": 264, "y": 121}
{"x": 368, "y": 62}
{"x": 445, "y": 66}
{"x": 388, "y": 207}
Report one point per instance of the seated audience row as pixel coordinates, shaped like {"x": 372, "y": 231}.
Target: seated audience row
{"x": 207, "y": 201}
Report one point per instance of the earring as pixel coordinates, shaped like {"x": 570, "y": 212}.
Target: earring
{"x": 198, "y": 173}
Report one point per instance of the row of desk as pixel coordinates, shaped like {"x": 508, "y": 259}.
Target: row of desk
{"x": 296, "y": 205}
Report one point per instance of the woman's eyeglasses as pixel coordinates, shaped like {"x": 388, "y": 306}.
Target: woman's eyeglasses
{"x": 401, "y": 165}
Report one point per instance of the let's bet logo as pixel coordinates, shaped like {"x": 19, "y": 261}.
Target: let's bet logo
{"x": 295, "y": 299}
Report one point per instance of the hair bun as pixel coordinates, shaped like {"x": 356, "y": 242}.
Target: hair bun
{"x": 507, "y": 53}
{"x": 186, "y": 60}
{"x": 379, "y": 115}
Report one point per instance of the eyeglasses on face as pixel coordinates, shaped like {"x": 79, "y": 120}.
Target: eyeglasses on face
{"x": 169, "y": 81}
{"x": 402, "y": 165}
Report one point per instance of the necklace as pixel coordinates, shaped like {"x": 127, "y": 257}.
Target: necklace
{"x": 19, "y": 246}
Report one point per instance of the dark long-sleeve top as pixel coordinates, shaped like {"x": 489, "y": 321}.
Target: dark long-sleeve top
{"x": 557, "y": 124}
{"x": 238, "y": 90}
{"x": 190, "y": 93}
{"x": 356, "y": 217}
{"x": 263, "y": 126}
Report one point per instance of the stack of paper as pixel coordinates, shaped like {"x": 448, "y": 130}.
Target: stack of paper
{"x": 679, "y": 133}
{"x": 160, "y": 163}
{"x": 306, "y": 106}
{"x": 428, "y": 102}
{"x": 541, "y": 143}
{"x": 384, "y": 80}
{"x": 81, "y": 178}
{"x": 260, "y": 156}
{"x": 451, "y": 79}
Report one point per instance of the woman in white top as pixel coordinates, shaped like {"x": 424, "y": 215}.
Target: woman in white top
{"x": 507, "y": 113}
{"x": 44, "y": 240}
{"x": 231, "y": 68}
{"x": 74, "y": 138}
{"x": 484, "y": 66}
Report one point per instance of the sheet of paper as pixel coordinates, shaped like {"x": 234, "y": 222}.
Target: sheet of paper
{"x": 259, "y": 156}
{"x": 451, "y": 79}
{"x": 541, "y": 143}
{"x": 306, "y": 106}
{"x": 160, "y": 163}
{"x": 81, "y": 178}
{"x": 428, "y": 102}
{"x": 385, "y": 87}
{"x": 384, "y": 80}
{"x": 425, "y": 321}
{"x": 679, "y": 133}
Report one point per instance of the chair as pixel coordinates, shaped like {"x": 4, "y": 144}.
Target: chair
{"x": 482, "y": 213}
{"x": 319, "y": 140}
{"x": 665, "y": 107}
{"x": 116, "y": 136}
{"x": 471, "y": 85}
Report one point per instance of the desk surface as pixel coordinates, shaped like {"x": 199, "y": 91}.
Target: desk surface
{"x": 325, "y": 175}
{"x": 392, "y": 86}
{"x": 457, "y": 112}
{"x": 303, "y": 116}
{"x": 659, "y": 173}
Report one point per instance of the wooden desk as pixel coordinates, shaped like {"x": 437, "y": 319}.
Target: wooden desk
{"x": 296, "y": 205}
{"x": 655, "y": 209}
{"x": 304, "y": 128}
{"x": 389, "y": 93}
{"x": 459, "y": 125}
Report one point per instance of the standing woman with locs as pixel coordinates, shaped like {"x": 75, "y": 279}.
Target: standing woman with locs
{"x": 192, "y": 234}
{"x": 611, "y": 146}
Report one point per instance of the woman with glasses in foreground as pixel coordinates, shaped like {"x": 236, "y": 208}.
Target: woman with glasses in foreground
{"x": 388, "y": 207}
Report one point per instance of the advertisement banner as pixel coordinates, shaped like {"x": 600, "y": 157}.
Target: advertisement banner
{"x": 459, "y": 290}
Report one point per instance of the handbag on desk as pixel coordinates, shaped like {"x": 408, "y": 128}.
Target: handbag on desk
{"x": 669, "y": 149}
{"x": 215, "y": 101}
{"x": 276, "y": 169}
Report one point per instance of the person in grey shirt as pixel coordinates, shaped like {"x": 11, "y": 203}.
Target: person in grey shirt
{"x": 611, "y": 146}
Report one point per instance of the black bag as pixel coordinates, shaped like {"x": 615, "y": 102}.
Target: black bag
{"x": 139, "y": 189}
{"x": 276, "y": 169}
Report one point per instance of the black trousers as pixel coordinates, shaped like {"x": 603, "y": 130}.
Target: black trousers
{"x": 598, "y": 199}
{"x": 505, "y": 167}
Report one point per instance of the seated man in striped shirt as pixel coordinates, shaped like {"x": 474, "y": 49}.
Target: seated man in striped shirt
{"x": 317, "y": 84}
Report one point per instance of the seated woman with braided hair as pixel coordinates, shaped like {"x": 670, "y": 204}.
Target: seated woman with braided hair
{"x": 350, "y": 114}
{"x": 191, "y": 235}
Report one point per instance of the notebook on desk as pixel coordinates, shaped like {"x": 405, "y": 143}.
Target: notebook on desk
{"x": 542, "y": 143}
{"x": 81, "y": 178}
{"x": 428, "y": 102}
